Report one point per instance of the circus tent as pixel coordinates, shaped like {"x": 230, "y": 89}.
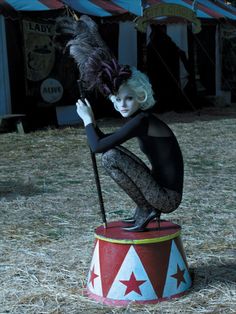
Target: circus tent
{"x": 205, "y": 10}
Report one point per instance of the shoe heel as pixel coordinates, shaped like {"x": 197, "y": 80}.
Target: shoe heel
{"x": 128, "y": 220}
{"x": 142, "y": 225}
{"x": 158, "y": 221}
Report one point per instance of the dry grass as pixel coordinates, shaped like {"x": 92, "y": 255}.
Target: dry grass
{"x": 49, "y": 209}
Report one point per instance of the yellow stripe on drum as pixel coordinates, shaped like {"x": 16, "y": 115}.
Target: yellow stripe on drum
{"x": 140, "y": 241}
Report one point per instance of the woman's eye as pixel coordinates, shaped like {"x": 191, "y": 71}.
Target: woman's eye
{"x": 118, "y": 99}
{"x": 130, "y": 98}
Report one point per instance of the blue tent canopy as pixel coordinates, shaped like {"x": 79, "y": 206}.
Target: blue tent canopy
{"x": 205, "y": 9}
{"x": 30, "y": 5}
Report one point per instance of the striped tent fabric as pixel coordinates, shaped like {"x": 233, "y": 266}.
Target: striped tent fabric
{"x": 210, "y": 9}
{"x": 31, "y": 5}
{"x": 105, "y": 8}
{"x": 205, "y": 9}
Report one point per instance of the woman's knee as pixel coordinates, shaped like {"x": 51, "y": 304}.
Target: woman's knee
{"x": 109, "y": 157}
{"x": 172, "y": 203}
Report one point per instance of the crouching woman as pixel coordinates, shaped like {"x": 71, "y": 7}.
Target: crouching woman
{"x": 157, "y": 188}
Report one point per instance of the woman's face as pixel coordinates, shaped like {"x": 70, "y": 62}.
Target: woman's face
{"x": 125, "y": 102}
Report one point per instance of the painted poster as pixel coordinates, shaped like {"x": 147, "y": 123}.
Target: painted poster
{"x": 39, "y": 50}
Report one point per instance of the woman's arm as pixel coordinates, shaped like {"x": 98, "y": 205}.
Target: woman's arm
{"x": 85, "y": 112}
{"x": 135, "y": 127}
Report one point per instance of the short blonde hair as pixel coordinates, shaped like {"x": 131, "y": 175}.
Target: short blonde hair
{"x": 140, "y": 84}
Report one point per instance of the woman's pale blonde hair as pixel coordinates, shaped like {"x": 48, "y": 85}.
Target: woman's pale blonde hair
{"x": 139, "y": 83}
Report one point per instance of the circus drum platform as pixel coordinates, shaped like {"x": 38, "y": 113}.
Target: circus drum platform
{"x": 142, "y": 267}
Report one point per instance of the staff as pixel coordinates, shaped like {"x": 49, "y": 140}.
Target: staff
{"x": 95, "y": 168}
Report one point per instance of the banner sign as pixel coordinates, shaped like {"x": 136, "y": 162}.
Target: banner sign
{"x": 39, "y": 50}
{"x": 51, "y": 90}
{"x": 162, "y": 10}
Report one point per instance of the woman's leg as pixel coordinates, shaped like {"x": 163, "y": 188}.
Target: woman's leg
{"x": 138, "y": 211}
{"x": 135, "y": 178}
{"x": 124, "y": 170}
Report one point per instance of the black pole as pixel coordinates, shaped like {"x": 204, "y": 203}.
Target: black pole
{"x": 95, "y": 169}
{"x": 99, "y": 190}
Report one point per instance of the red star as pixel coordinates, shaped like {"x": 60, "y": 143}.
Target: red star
{"x": 132, "y": 284}
{"x": 92, "y": 276}
{"x": 179, "y": 276}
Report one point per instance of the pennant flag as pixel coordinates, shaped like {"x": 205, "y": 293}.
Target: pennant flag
{"x": 178, "y": 279}
{"x": 132, "y": 281}
{"x": 94, "y": 277}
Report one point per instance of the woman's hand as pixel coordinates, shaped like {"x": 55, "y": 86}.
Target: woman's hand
{"x": 85, "y": 111}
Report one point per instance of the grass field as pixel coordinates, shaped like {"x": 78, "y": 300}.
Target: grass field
{"x": 49, "y": 210}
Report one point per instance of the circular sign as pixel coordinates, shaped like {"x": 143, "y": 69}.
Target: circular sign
{"x": 51, "y": 90}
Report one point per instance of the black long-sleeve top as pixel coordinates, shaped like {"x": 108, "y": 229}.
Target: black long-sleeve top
{"x": 156, "y": 141}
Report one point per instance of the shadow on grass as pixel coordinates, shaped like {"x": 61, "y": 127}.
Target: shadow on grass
{"x": 206, "y": 275}
{"x": 10, "y": 190}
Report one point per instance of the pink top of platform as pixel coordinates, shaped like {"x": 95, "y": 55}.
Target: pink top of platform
{"x": 115, "y": 233}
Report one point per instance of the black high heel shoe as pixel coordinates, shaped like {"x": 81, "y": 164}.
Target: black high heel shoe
{"x": 129, "y": 220}
{"x": 140, "y": 227}
{"x": 133, "y": 218}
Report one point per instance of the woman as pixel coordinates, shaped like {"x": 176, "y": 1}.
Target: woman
{"x": 154, "y": 190}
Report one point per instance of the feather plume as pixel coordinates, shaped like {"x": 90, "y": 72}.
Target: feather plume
{"x": 98, "y": 67}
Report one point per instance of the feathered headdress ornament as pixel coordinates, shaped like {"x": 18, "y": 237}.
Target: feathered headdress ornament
{"x": 98, "y": 67}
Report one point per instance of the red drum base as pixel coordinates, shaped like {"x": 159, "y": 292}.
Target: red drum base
{"x": 141, "y": 267}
